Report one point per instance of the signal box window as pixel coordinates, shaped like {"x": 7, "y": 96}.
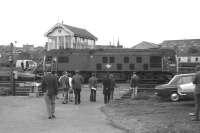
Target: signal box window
{"x": 98, "y": 66}
{"x": 132, "y": 66}
{"x": 63, "y": 59}
{"x": 105, "y": 59}
{"x": 119, "y": 66}
{"x": 139, "y": 59}
{"x": 126, "y": 59}
{"x": 112, "y": 60}
{"x": 49, "y": 58}
{"x": 145, "y": 66}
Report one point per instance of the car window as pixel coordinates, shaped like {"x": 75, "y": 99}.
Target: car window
{"x": 174, "y": 80}
{"x": 185, "y": 79}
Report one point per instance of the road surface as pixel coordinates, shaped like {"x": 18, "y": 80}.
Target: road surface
{"x": 23, "y": 114}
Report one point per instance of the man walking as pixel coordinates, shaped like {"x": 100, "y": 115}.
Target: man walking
{"x": 77, "y": 80}
{"x": 134, "y": 84}
{"x": 50, "y": 89}
{"x": 64, "y": 82}
{"x": 112, "y": 86}
{"x": 106, "y": 89}
{"x": 93, "y": 87}
{"x": 196, "y": 81}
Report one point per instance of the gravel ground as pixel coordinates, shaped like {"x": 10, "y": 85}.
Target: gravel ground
{"x": 22, "y": 114}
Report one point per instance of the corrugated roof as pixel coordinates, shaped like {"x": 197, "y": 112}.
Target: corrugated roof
{"x": 80, "y": 32}
{"x": 188, "y": 42}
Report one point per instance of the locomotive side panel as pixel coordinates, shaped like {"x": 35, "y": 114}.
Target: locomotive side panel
{"x": 75, "y": 61}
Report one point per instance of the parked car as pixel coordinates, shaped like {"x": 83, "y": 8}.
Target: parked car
{"x": 170, "y": 90}
{"x": 186, "y": 90}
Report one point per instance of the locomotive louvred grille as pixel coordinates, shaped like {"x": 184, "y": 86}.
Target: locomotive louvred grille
{"x": 155, "y": 61}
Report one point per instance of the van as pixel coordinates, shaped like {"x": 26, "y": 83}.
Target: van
{"x": 26, "y": 64}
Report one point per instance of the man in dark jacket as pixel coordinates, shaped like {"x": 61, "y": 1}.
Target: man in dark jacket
{"x": 112, "y": 86}
{"x": 50, "y": 89}
{"x": 134, "y": 84}
{"x": 93, "y": 87}
{"x": 64, "y": 83}
{"x": 196, "y": 81}
{"x": 106, "y": 89}
{"x": 77, "y": 80}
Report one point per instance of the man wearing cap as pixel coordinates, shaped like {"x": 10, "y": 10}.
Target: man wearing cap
{"x": 64, "y": 82}
{"x": 93, "y": 87}
{"x": 50, "y": 89}
{"x": 77, "y": 80}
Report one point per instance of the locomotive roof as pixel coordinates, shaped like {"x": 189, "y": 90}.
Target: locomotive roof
{"x": 113, "y": 50}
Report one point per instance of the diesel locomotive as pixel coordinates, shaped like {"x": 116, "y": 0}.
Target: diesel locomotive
{"x": 152, "y": 65}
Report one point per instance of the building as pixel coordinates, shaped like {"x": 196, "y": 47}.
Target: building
{"x": 188, "y": 55}
{"x": 63, "y": 36}
{"x": 145, "y": 45}
{"x": 181, "y": 43}
{"x": 27, "y": 48}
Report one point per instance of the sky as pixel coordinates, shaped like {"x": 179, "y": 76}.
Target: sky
{"x": 130, "y": 21}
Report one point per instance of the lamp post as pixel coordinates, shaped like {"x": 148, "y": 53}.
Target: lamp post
{"x": 10, "y": 59}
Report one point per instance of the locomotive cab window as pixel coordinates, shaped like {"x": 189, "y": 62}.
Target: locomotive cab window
{"x": 145, "y": 66}
{"x": 126, "y": 59}
{"x": 119, "y": 66}
{"x": 105, "y": 59}
{"x": 139, "y": 59}
{"x": 112, "y": 59}
{"x": 98, "y": 66}
{"x": 63, "y": 59}
{"x": 132, "y": 66}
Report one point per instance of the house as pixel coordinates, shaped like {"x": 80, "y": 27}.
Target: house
{"x": 62, "y": 36}
{"x": 27, "y": 48}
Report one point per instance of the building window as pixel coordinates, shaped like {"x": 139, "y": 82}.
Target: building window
{"x": 132, "y": 66}
{"x": 63, "y": 59}
{"x": 126, "y": 59}
{"x": 59, "y": 30}
{"x": 139, "y": 59}
{"x": 196, "y": 59}
{"x": 105, "y": 59}
{"x": 98, "y": 66}
{"x": 112, "y": 60}
{"x": 119, "y": 66}
{"x": 145, "y": 66}
{"x": 189, "y": 60}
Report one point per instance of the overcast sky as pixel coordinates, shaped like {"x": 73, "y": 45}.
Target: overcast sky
{"x": 132, "y": 21}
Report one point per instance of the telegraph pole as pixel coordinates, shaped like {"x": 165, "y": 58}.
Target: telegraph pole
{"x": 12, "y": 86}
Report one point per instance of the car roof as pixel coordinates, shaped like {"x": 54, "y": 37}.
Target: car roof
{"x": 187, "y": 74}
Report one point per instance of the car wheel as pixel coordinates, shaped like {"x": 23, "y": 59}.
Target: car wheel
{"x": 174, "y": 97}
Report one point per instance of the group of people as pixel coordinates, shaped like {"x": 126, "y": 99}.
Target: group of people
{"x": 71, "y": 86}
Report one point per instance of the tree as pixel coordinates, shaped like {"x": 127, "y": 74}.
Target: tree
{"x": 193, "y": 50}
